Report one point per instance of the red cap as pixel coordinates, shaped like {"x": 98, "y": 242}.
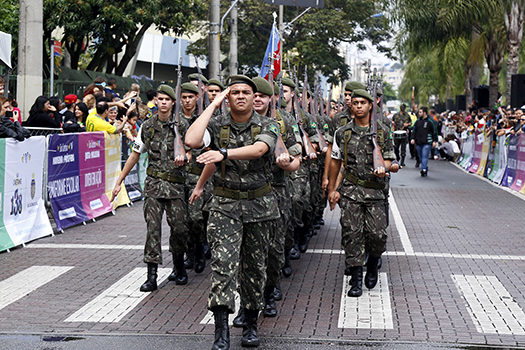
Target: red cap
{"x": 70, "y": 99}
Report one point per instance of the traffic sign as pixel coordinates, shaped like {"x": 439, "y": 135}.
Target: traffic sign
{"x": 298, "y": 3}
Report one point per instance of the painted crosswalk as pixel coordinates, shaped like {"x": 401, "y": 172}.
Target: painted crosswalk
{"x": 372, "y": 310}
{"x": 118, "y": 300}
{"x": 492, "y": 309}
{"x": 27, "y": 281}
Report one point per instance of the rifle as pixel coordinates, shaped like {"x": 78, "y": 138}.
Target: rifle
{"x": 307, "y": 144}
{"x": 205, "y": 101}
{"x": 328, "y": 103}
{"x": 376, "y": 153}
{"x": 280, "y": 147}
{"x": 322, "y": 142}
{"x": 178, "y": 145}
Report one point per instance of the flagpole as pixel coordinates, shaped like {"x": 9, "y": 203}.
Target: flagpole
{"x": 52, "y": 68}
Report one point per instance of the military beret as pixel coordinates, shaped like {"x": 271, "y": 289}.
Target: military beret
{"x": 195, "y": 76}
{"x": 189, "y": 87}
{"x": 241, "y": 79}
{"x": 167, "y": 90}
{"x": 354, "y": 85}
{"x": 288, "y": 82}
{"x": 216, "y": 82}
{"x": 263, "y": 86}
{"x": 362, "y": 93}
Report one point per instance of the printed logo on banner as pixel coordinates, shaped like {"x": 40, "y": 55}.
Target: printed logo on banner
{"x": 67, "y": 213}
{"x": 33, "y": 186}
{"x": 16, "y": 199}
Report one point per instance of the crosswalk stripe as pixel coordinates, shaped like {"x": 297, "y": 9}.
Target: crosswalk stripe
{"x": 400, "y": 225}
{"x": 118, "y": 300}
{"x": 372, "y": 310}
{"x": 26, "y": 281}
{"x": 208, "y": 319}
{"x": 492, "y": 309}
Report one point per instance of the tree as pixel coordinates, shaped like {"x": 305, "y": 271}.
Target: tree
{"x": 514, "y": 17}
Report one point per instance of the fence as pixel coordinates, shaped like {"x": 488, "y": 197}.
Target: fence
{"x": 71, "y": 174}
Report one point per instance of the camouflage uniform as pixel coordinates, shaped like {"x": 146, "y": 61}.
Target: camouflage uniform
{"x": 242, "y": 209}
{"x": 363, "y": 214}
{"x": 163, "y": 188}
{"x": 324, "y": 129}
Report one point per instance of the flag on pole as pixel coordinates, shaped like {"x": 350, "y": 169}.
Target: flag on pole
{"x": 272, "y": 50}
{"x": 57, "y": 48}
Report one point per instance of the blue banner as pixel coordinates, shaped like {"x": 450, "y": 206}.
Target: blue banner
{"x": 512, "y": 162}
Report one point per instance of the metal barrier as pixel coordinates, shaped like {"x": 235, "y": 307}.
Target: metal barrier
{"x": 43, "y": 131}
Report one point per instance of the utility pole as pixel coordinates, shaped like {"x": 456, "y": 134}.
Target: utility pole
{"x": 213, "y": 39}
{"x": 30, "y": 62}
{"x": 233, "y": 41}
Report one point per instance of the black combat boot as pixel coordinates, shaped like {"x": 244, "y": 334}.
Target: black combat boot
{"x": 303, "y": 239}
{"x": 294, "y": 252}
{"x": 178, "y": 274}
{"x": 356, "y": 283}
{"x": 317, "y": 225}
{"x": 287, "y": 268}
{"x": 189, "y": 261}
{"x": 321, "y": 221}
{"x": 222, "y": 331}
{"x": 270, "y": 309}
{"x": 277, "y": 293}
{"x": 249, "y": 332}
{"x": 200, "y": 259}
{"x": 402, "y": 162}
{"x": 238, "y": 321}
{"x": 371, "y": 272}
{"x": 207, "y": 251}
{"x": 151, "y": 283}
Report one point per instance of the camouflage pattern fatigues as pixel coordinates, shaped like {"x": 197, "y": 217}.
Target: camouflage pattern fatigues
{"x": 363, "y": 214}
{"x": 239, "y": 228}
{"x": 163, "y": 188}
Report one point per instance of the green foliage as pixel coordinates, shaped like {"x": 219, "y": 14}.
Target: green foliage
{"x": 389, "y": 93}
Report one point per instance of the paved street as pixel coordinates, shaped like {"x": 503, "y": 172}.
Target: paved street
{"x": 453, "y": 276}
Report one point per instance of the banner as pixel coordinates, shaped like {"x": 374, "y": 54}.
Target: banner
{"x": 503, "y": 144}
{"x": 132, "y": 181}
{"x": 23, "y": 213}
{"x": 273, "y": 51}
{"x": 512, "y": 162}
{"x": 476, "y": 158}
{"x": 494, "y": 160}
{"x": 484, "y": 154}
{"x": 467, "y": 152}
{"x": 93, "y": 174}
{"x": 112, "y": 157}
{"x": 519, "y": 181}
{"x": 63, "y": 180}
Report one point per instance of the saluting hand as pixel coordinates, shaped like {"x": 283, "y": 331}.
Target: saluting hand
{"x": 220, "y": 97}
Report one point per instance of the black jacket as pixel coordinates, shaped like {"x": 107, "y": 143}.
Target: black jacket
{"x": 424, "y": 130}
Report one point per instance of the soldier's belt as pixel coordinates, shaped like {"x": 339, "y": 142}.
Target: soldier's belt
{"x": 238, "y": 194}
{"x": 364, "y": 183}
{"x": 165, "y": 176}
{"x": 194, "y": 170}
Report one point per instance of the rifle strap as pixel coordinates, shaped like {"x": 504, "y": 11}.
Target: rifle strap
{"x": 280, "y": 120}
{"x": 224, "y": 141}
{"x": 346, "y": 138}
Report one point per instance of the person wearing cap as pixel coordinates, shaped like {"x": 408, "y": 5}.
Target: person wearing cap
{"x": 163, "y": 189}
{"x": 261, "y": 105}
{"x": 196, "y": 216}
{"x": 401, "y": 122}
{"x": 69, "y": 112}
{"x": 361, "y": 194}
{"x": 215, "y": 87}
{"x": 243, "y": 207}
{"x": 194, "y": 79}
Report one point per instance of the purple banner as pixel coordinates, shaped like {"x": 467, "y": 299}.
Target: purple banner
{"x": 519, "y": 181}
{"x": 478, "y": 148}
{"x": 93, "y": 174}
{"x": 64, "y": 180}
{"x": 512, "y": 162}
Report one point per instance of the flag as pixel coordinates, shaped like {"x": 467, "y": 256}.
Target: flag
{"x": 273, "y": 50}
{"x": 57, "y": 48}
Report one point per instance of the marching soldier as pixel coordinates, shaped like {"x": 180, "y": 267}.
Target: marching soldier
{"x": 163, "y": 189}
{"x": 243, "y": 206}
{"x": 361, "y": 195}
{"x": 402, "y": 123}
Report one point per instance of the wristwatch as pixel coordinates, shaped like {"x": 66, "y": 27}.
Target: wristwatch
{"x": 224, "y": 153}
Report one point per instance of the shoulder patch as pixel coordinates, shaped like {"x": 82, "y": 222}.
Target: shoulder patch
{"x": 274, "y": 129}
{"x": 313, "y": 125}
{"x": 295, "y": 129}
{"x": 325, "y": 126}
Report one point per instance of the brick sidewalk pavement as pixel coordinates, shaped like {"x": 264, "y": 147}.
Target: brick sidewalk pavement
{"x": 462, "y": 281}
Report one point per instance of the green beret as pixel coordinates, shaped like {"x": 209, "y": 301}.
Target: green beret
{"x": 354, "y": 85}
{"x": 216, "y": 82}
{"x": 362, "y": 93}
{"x": 195, "y": 76}
{"x": 241, "y": 79}
{"x": 167, "y": 90}
{"x": 288, "y": 82}
{"x": 276, "y": 90}
{"x": 189, "y": 87}
{"x": 263, "y": 86}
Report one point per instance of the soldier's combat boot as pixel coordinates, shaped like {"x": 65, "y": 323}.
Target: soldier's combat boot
{"x": 189, "y": 262}
{"x": 222, "y": 331}
{"x": 371, "y": 272}
{"x": 249, "y": 332}
{"x": 294, "y": 252}
{"x": 287, "y": 268}
{"x": 200, "y": 259}
{"x": 321, "y": 221}
{"x": 277, "y": 292}
{"x": 270, "y": 308}
{"x": 356, "y": 283}
{"x": 178, "y": 274}
{"x": 151, "y": 283}
{"x": 207, "y": 251}
{"x": 238, "y": 321}
{"x": 303, "y": 239}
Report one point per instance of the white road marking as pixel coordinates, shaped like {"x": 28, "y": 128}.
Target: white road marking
{"x": 26, "y": 281}
{"x": 372, "y": 310}
{"x": 208, "y": 319}
{"x": 118, "y": 300}
{"x": 400, "y": 225}
{"x": 492, "y": 309}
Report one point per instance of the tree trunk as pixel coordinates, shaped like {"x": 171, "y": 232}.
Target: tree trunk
{"x": 131, "y": 49}
{"x": 468, "y": 87}
{"x": 514, "y": 16}
{"x": 493, "y": 87}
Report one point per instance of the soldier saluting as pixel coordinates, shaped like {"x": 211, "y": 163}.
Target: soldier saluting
{"x": 361, "y": 194}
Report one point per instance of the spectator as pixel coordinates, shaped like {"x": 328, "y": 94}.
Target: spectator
{"x": 424, "y": 137}
{"x": 449, "y": 150}
{"x": 90, "y": 101}
{"x": 57, "y": 104}
{"x": 42, "y": 114}
{"x": 151, "y": 95}
{"x": 111, "y": 85}
{"x": 77, "y": 124}
{"x": 97, "y": 122}
{"x": 17, "y": 115}
{"x": 112, "y": 115}
{"x": 69, "y": 112}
